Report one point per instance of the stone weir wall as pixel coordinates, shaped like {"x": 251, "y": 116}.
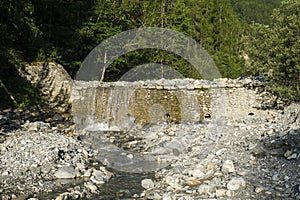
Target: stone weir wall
{"x": 119, "y": 105}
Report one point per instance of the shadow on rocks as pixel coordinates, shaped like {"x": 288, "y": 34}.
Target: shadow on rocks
{"x": 276, "y": 165}
{"x": 13, "y": 119}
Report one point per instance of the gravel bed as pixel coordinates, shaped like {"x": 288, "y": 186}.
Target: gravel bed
{"x": 255, "y": 157}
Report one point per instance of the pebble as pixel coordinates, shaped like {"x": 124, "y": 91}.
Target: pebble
{"x": 205, "y": 189}
{"x": 288, "y": 154}
{"x": 230, "y": 193}
{"x": 197, "y": 173}
{"x": 236, "y": 184}
{"x": 259, "y": 190}
{"x": 91, "y": 187}
{"x": 293, "y": 156}
{"x": 193, "y": 182}
{"x": 147, "y": 183}
{"x": 221, "y": 193}
{"x": 228, "y": 167}
{"x": 100, "y": 176}
{"x": 220, "y": 151}
{"x": 173, "y": 182}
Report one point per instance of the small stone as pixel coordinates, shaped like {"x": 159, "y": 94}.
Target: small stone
{"x": 221, "y": 193}
{"x": 228, "y": 167}
{"x": 97, "y": 177}
{"x": 208, "y": 175}
{"x": 258, "y": 190}
{"x": 193, "y": 182}
{"x": 252, "y": 157}
{"x": 66, "y": 172}
{"x": 268, "y": 192}
{"x": 130, "y": 156}
{"x": 230, "y": 193}
{"x": 197, "y": 173}
{"x": 242, "y": 173}
{"x": 80, "y": 167}
{"x": 236, "y": 184}
{"x": 221, "y": 151}
{"x": 5, "y": 197}
{"x": 154, "y": 196}
{"x": 6, "y": 173}
{"x": 252, "y": 146}
{"x": 87, "y": 173}
{"x": 205, "y": 189}
{"x": 91, "y": 187}
{"x": 173, "y": 182}
{"x": 211, "y": 166}
{"x": 147, "y": 184}
{"x": 59, "y": 198}
{"x": 293, "y": 156}
{"x": 275, "y": 177}
{"x": 100, "y": 176}
{"x": 288, "y": 154}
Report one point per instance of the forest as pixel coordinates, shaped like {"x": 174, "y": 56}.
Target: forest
{"x": 266, "y": 32}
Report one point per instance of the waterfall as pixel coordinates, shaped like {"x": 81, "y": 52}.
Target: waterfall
{"x": 117, "y": 110}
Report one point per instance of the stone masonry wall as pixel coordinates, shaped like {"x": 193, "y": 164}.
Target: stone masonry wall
{"x": 120, "y": 104}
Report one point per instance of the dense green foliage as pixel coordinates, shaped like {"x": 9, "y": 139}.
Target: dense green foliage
{"x": 66, "y": 32}
{"x": 258, "y": 11}
{"x": 212, "y": 23}
{"x": 274, "y": 50}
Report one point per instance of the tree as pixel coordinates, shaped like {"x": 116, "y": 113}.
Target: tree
{"x": 258, "y": 11}
{"x": 274, "y": 50}
{"x": 17, "y": 30}
{"x": 217, "y": 29}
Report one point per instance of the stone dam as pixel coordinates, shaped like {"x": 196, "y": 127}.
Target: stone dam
{"x": 121, "y": 105}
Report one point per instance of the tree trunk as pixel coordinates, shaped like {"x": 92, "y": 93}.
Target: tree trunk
{"x": 8, "y": 92}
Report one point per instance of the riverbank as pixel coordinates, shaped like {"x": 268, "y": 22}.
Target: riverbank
{"x": 254, "y": 157}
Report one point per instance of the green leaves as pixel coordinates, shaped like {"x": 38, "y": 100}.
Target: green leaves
{"x": 258, "y": 11}
{"x": 274, "y": 50}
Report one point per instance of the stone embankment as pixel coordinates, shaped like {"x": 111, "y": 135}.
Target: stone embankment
{"x": 183, "y": 100}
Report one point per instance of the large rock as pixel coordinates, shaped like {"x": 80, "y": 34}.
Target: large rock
{"x": 53, "y": 82}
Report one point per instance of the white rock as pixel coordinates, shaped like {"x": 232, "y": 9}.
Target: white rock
{"x": 91, "y": 187}
{"x": 221, "y": 151}
{"x": 130, "y": 156}
{"x": 205, "y": 189}
{"x": 80, "y": 167}
{"x": 173, "y": 182}
{"x": 259, "y": 190}
{"x": 236, "y": 184}
{"x": 197, "y": 173}
{"x": 147, "y": 183}
{"x": 230, "y": 193}
{"x": 293, "y": 156}
{"x": 66, "y": 172}
{"x": 228, "y": 167}
{"x": 288, "y": 154}
{"x": 87, "y": 173}
{"x": 100, "y": 176}
{"x": 221, "y": 193}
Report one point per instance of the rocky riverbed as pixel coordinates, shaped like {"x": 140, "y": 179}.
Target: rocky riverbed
{"x": 254, "y": 157}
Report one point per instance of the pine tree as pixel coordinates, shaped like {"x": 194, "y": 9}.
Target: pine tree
{"x": 274, "y": 50}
